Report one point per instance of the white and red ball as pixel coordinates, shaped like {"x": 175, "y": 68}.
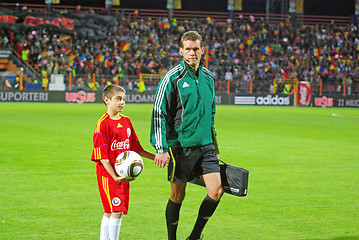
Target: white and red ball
{"x": 129, "y": 164}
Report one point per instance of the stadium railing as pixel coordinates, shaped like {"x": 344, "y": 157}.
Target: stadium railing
{"x": 220, "y": 17}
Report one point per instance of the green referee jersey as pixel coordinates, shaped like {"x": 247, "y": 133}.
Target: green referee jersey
{"x": 183, "y": 109}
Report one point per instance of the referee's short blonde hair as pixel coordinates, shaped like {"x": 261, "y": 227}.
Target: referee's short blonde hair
{"x": 191, "y": 35}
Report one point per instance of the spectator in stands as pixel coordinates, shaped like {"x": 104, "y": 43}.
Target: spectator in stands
{"x": 17, "y": 82}
{"x": 25, "y": 53}
{"x": 4, "y": 42}
{"x": 7, "y": 84}
{"x": 229, "y": 75}
{"x": 348, "y": 83}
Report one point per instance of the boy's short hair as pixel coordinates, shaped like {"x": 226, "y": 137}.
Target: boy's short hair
{"x": 191, "y": 35}
{"x": 110, "y": 90}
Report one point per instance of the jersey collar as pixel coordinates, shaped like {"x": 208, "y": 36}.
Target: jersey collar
{"x": 190, "y": 70}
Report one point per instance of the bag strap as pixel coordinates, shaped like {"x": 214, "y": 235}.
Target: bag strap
{"x": 222, "y": 162}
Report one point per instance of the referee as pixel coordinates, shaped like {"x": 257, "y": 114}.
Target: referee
{"x": 181, "y": 132}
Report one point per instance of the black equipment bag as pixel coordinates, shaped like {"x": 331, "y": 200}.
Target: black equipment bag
{"x": 234, "y": 179}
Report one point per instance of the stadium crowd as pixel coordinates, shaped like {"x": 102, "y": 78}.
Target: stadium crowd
{"x": 238, "y": 50}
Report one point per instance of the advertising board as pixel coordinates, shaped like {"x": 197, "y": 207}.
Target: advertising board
{"x": 264, "y": 100}
{"x": 80, "y": 97}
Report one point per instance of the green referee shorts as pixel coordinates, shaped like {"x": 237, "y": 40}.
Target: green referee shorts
{"x": 189, "y": 162}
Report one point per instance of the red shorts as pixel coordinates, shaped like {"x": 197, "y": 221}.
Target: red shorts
{"x": 114, "y": 195}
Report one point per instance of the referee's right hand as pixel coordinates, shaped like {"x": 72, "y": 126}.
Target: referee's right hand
{"x": 162, "y": 159}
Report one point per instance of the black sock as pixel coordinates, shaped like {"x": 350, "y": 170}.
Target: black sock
{"x": 206, "y": 210}
{"x": 172, "y": 216}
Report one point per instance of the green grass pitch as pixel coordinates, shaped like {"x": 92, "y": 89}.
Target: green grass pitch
{"x": 303, "y": 181}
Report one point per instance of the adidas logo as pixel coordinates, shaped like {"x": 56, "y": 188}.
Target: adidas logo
{"x": 185, "y": 85}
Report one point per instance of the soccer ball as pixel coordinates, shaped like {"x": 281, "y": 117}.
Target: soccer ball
{"x": 129, "y": 164}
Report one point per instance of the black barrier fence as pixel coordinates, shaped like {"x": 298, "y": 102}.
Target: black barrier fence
{"x": 135, "y": 97}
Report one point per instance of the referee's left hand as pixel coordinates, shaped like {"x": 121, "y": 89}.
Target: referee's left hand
{"x": 162, "y": 159}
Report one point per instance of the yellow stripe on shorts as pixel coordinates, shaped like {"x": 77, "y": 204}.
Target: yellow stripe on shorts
{"x": 106, "y": 189}
{"x": 174, "y": 164}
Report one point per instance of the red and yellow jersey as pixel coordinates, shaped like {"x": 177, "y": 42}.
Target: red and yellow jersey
{"x": 113, "y": 136}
